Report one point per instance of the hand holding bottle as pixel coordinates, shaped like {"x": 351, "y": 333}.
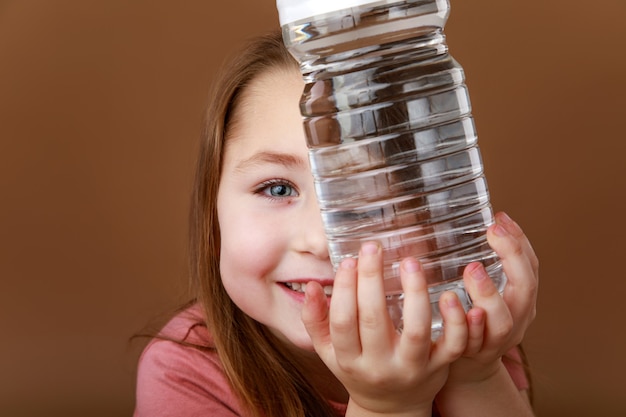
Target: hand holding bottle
{"x": 498, "y": 323}
{"x": 384, "y": 371}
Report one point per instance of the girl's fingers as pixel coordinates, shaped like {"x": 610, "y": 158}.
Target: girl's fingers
{"x": 476, "y": 331}
{"x": 485, "y": 296}
{"x": 453, "y": 342}
{"x": 315, "y": 318}
{"x": 344, "y": 329}
{"x": 415, "y": 339}
{"x": 375, "y": 328}
{"x": 516, "y": 231}
{"x": 520, "y": 265}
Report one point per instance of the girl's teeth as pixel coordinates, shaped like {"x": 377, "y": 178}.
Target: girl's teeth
{"x": 301, "y": 287}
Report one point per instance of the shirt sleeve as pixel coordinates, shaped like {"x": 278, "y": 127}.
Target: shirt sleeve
{"x": 175, "y": 380}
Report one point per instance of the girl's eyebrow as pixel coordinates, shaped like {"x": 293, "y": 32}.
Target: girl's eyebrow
{"x": 267, "y": 157}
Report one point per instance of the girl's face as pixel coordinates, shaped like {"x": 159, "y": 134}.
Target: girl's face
{"x": 272, "y": 239}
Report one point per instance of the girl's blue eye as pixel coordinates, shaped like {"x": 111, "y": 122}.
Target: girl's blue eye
{"x": 277, "y": 189}
{"x": 281, "y": 190}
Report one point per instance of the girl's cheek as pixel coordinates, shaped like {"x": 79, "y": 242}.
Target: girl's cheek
{"x": 249, "y": 247}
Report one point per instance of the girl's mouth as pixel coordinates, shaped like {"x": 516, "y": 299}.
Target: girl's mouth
{"x": 301, "y": 287}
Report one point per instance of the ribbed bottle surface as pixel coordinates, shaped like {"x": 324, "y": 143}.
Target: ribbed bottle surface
{"x": 392, "y": 143}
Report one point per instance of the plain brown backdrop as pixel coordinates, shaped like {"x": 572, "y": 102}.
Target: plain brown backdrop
{"x": 101, "y": 105}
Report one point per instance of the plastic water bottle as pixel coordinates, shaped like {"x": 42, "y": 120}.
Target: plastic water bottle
{"x": 392, "y": 142}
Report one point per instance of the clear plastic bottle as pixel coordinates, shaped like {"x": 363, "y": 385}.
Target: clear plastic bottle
{"x": 391, "y": 138}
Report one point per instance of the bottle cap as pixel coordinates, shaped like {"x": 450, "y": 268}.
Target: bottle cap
{"x": 290, "y": 11}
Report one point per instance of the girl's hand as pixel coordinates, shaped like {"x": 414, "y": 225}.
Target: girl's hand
{"x": 383, "y": 371}
{"x": 496, "y": 324}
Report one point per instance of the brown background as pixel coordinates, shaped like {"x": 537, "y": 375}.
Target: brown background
{"x": 100, "y": 110}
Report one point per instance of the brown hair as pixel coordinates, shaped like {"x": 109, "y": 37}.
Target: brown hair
{"x": 260, "y": 371}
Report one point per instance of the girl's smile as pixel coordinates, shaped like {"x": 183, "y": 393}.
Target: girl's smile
{"x": 301, "y": 286}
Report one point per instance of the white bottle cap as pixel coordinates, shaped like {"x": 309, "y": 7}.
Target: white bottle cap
{"x": 290, "y": 11}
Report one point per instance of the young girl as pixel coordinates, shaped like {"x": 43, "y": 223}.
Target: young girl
{"x": 273, "y": 331}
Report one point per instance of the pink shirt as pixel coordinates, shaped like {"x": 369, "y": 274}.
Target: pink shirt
{"x": 178, "y": 380}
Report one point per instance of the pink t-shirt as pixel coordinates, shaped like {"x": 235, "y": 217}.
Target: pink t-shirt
{"x": 178, "y": 380}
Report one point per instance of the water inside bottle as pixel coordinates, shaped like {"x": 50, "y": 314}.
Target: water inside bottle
{"x": 393, "y": 145}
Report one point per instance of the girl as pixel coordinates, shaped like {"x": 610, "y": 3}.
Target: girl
{"x": 273, "y": 331}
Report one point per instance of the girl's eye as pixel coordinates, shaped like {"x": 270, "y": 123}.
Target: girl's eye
{"x": 277, "y": 189}
{"x": 280, "y": 190}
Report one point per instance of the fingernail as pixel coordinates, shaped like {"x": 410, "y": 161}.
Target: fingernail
{"x": 452, "y": 301}
{"x": 504, "y": 218}
{"x": 412, "y": 265}
{"x": 477, "y": 272}
{"x": 348, "y": 263}
{"x": 499, "y": 230}
{"x": 370, "y": 248}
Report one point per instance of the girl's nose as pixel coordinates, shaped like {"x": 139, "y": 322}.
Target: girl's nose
{"x": 311, "y": 237}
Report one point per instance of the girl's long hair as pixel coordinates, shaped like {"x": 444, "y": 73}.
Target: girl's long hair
{"x": 264, "y": 377}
